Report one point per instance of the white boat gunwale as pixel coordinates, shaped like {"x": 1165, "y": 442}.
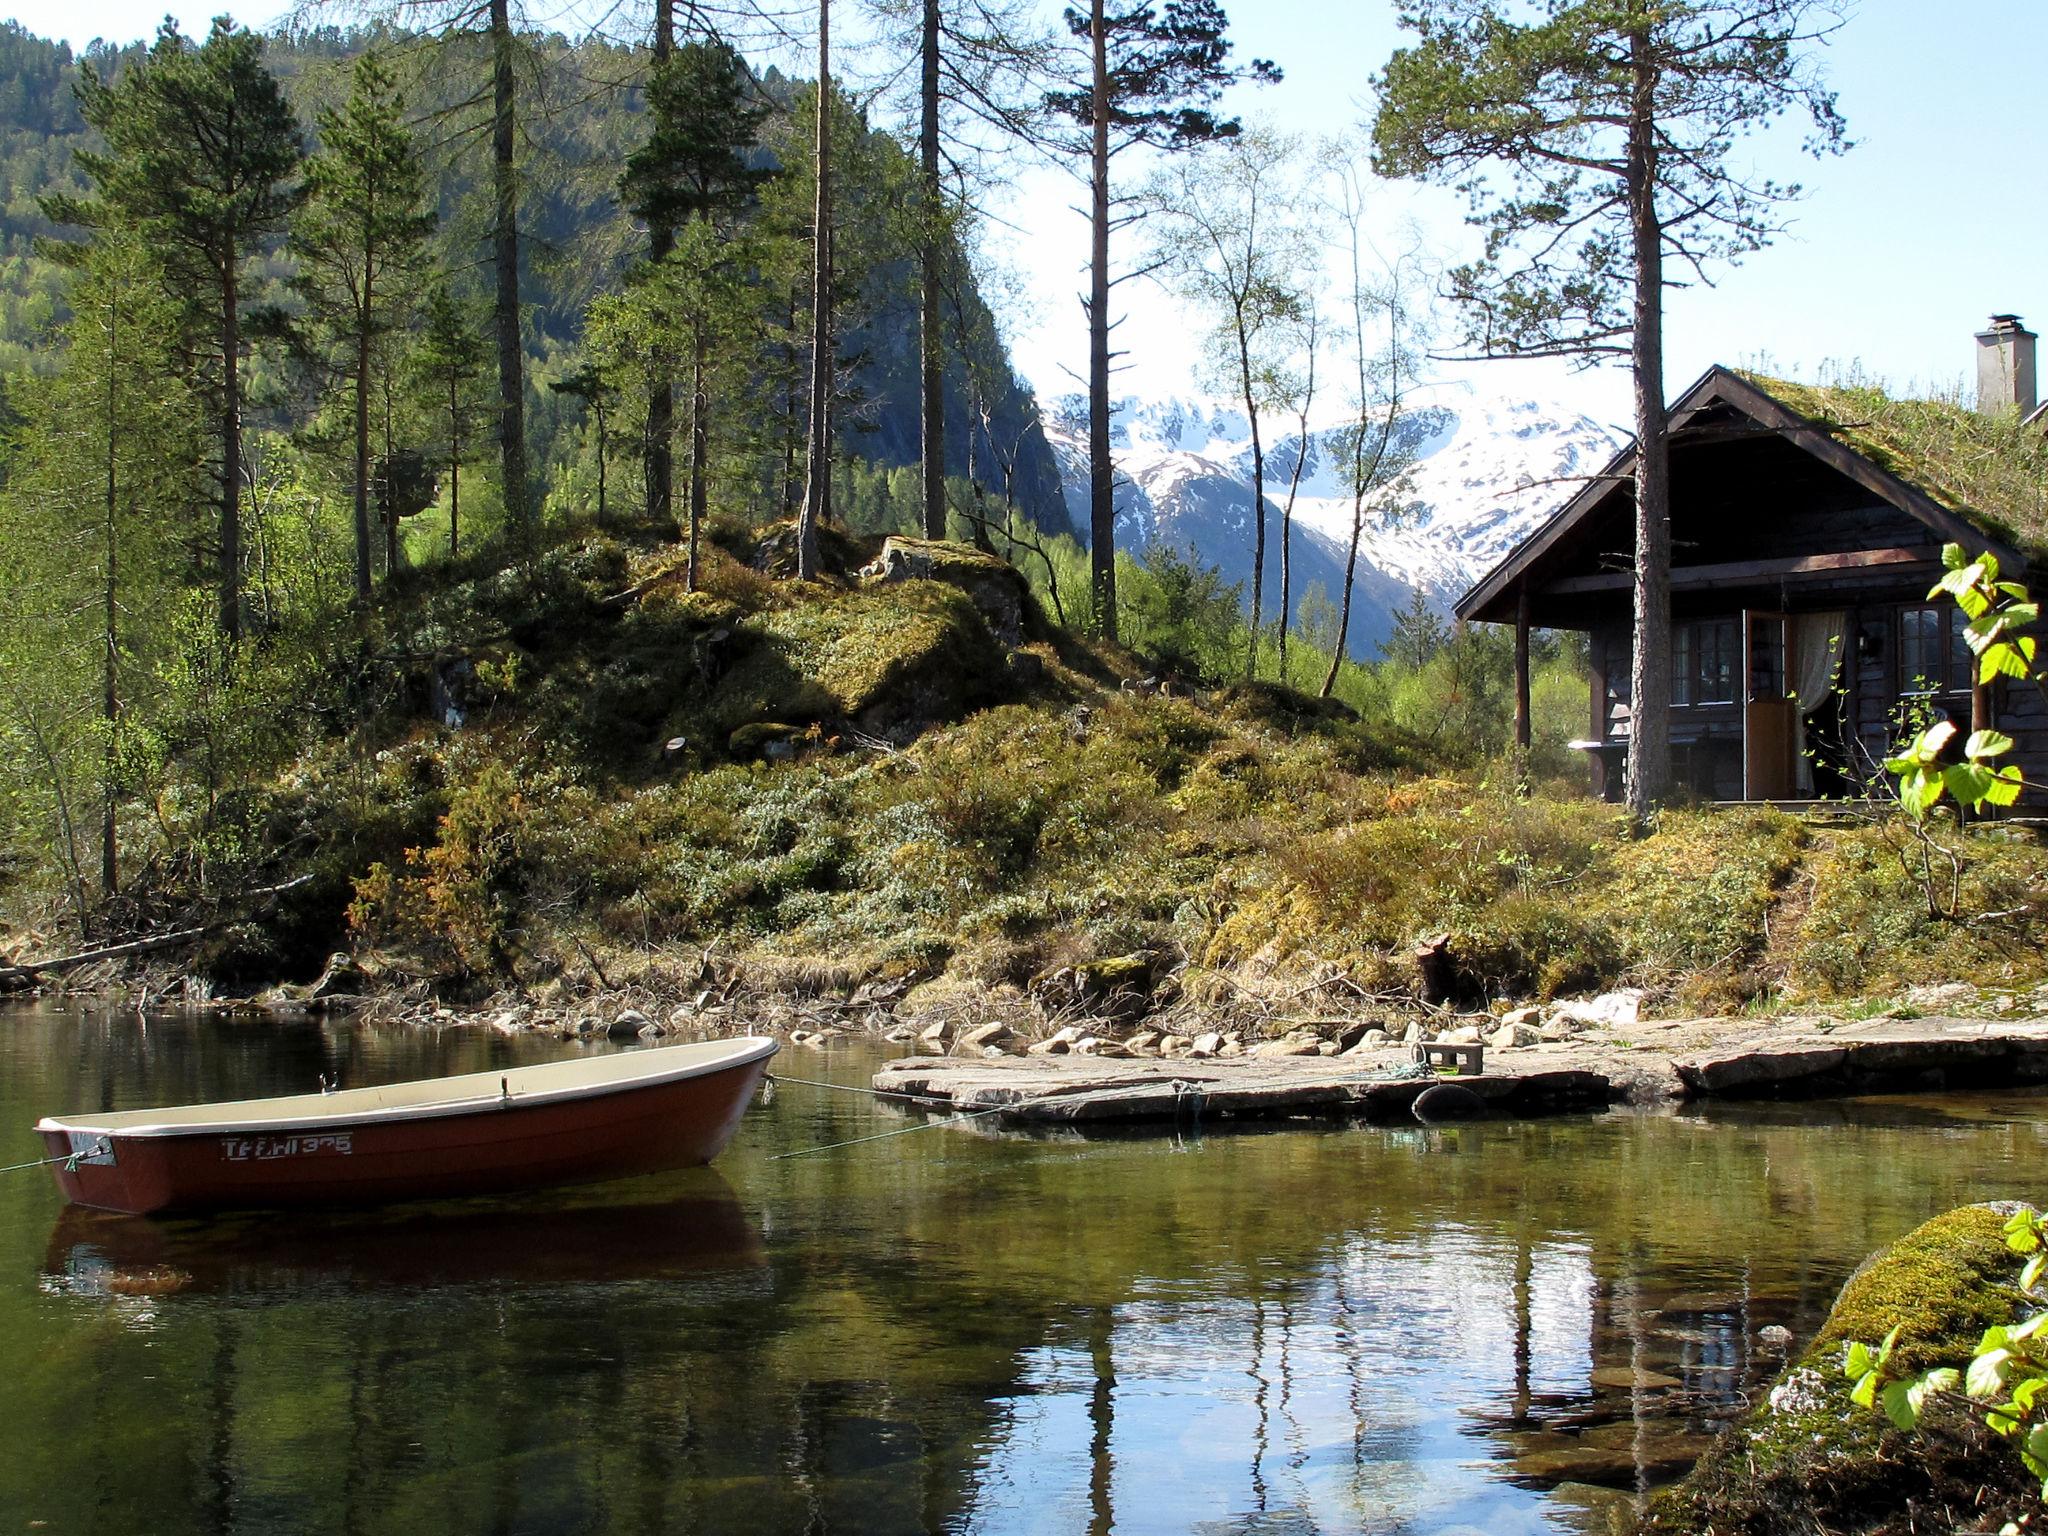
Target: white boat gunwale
{"x": 744, "y": 1050}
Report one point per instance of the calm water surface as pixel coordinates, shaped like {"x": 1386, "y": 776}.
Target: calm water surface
{"x": 1495, "y": 1328}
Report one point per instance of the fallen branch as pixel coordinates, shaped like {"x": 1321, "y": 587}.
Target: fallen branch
{"x": 24, "y": 972}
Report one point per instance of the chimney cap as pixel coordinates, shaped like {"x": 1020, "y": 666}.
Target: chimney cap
{"x": 2005, "y": 323}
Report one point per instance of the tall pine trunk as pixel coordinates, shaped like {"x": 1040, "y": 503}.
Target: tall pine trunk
{"x": 931, "y": 357}
{"x": 817, "y": 505}
{"x": 1649, "y": 749}
{"x": 505, "y": 258}
{"x": 362, "y": 507}
{"x": 1101, "y": 473}
{"x": 700, "y": 447}
{"x": 659, "y": 450}
{"x": 110, "y": 852}
{"x": 454, "y": 471}
{"x": 231, "y": 450}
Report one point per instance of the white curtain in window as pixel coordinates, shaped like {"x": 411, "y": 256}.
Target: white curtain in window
{"x": 1815, "y": 663}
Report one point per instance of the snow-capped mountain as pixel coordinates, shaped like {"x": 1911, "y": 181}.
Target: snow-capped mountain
{"x": 1480, "y": 476}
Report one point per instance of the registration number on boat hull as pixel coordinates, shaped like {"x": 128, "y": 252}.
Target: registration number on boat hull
{"x": 263, "y": 1149}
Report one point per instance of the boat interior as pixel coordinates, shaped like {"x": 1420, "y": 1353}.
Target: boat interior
{"x": 554, "y": 1080}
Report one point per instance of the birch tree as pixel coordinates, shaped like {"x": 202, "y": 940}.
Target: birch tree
{"x": 1227, "y": 238}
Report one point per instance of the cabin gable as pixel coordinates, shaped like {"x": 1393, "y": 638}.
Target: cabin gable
{"x": 1803, "y": 636}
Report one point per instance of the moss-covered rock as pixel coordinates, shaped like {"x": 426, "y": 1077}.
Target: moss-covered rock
{"x": 883, "y": 657}
{"x": 1808, "y": 1460}
{"x": 999, "y": 591}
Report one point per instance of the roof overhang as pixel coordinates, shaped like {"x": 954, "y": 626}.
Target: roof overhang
{"x": 1495, "y": 598}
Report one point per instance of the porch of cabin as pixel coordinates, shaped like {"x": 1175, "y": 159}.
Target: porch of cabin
{"x": 1786, "y": 706}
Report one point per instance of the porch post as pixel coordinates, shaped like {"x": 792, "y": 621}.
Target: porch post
{"x": 1522, "y": 667}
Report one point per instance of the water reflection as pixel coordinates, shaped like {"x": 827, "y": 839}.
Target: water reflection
{"x": 94, "y": 1253}
{"x": 1494, "y": 1327}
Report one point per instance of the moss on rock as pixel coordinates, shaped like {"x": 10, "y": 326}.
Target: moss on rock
{"x": 1808, "y": 1460}
{"x": 912, "y": 652}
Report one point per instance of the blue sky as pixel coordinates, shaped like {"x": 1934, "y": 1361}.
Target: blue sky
{"x": 1900, "y": 251}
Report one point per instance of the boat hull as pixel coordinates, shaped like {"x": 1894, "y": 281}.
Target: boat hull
{"x": 492, "y": 1147}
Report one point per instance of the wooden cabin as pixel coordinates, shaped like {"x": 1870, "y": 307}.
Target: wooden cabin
{"x": 1807, "y": 526}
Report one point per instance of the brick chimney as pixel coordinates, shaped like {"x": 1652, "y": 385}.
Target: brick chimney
{"x": 2005, "y": 367}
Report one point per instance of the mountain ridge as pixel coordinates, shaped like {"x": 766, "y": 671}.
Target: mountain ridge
{"x": 1482, "y": 474}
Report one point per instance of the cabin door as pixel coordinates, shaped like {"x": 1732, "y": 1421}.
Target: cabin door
{"x": 1770, "y": 716}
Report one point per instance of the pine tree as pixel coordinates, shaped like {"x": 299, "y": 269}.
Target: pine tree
{"x": 817, "y": 502}
{"x": 589, "y": 385}
{"x": 1154, "y": 72}
{"x": 201, "y": 152}
{"x": 445, "y": 367}
{"x": 1596, "y": 139}
{"x": 360, "y": 238}
{"x": 93, "y": 548}
{"x": 696, "y": 169}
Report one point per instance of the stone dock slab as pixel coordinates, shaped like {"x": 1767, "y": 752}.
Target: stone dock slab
{"x": 1659, "y": 1062}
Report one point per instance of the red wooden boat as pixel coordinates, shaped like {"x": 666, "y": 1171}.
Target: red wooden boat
{"x": 564, "y": 1122}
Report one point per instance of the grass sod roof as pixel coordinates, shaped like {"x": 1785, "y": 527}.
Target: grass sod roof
{"x": 1990, "y": 470}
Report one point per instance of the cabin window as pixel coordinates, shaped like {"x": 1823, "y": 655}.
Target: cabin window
{"x": 1704, "y": 661}
{"x": 1933, "y": 655}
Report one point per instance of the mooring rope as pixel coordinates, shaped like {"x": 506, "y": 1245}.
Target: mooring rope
{"x": 44, "y": 1162}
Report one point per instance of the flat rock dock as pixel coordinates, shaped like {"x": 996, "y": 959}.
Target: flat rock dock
{"x": 1658, "y": 1063}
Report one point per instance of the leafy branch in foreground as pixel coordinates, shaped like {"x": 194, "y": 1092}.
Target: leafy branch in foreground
{"x": 1999, "y": 612}
{"x": 2006, "y": 1380}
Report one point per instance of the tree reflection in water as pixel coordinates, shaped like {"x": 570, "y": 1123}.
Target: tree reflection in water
{"x": 1490, "y": 1327}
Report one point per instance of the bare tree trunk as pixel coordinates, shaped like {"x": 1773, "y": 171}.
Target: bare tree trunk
{"x": 700, "y": 450}
{"x": 931, "y": 355}
{"x": 1251, "y": 411}
{"x": 454, "y": 471}
{"x": 505, "y": 257}
{"x": 362, "y": 506}
{"x": 661, "y": 395}
{"x": 1344, "y": 610}
{"x": 231, "y": 452}
{"x": 1649, "y": 746}
{"x": 817, "y": 506}
{"x": 110, "y": 861}
{"x": 1101, "y": 473}
{"x": 1308, "y": 395}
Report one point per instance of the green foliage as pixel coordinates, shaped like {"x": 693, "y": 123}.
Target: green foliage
{"x": 93, "y": 523}
{"x": 359, "y": 239}
{"x": 2000, "y": 615}
{"x": 1179, "y": 613}
{"x": 705, "y": 113}
{"x": 2006, "y": 1377}
{"x": 464, "y": 893}
{"x": 1532, "y": 115}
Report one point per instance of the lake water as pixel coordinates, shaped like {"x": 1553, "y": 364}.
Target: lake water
{"x": 1499, "y": 1328}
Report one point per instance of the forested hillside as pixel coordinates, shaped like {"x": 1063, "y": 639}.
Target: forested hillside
{"x": 580, "y": 241}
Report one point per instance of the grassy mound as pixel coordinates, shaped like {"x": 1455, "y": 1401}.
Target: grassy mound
{"x": 578, "y": 750}
{"x": 1809, "y": 1460}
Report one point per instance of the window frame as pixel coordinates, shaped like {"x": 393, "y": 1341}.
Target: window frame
{"x": 1689, "y": 684}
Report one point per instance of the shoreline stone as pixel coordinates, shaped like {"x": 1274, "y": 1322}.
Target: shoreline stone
{"x": 1289, "y": 1078}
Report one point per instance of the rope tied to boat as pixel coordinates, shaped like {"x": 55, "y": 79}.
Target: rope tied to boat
{"x": 68, "y": 1159}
